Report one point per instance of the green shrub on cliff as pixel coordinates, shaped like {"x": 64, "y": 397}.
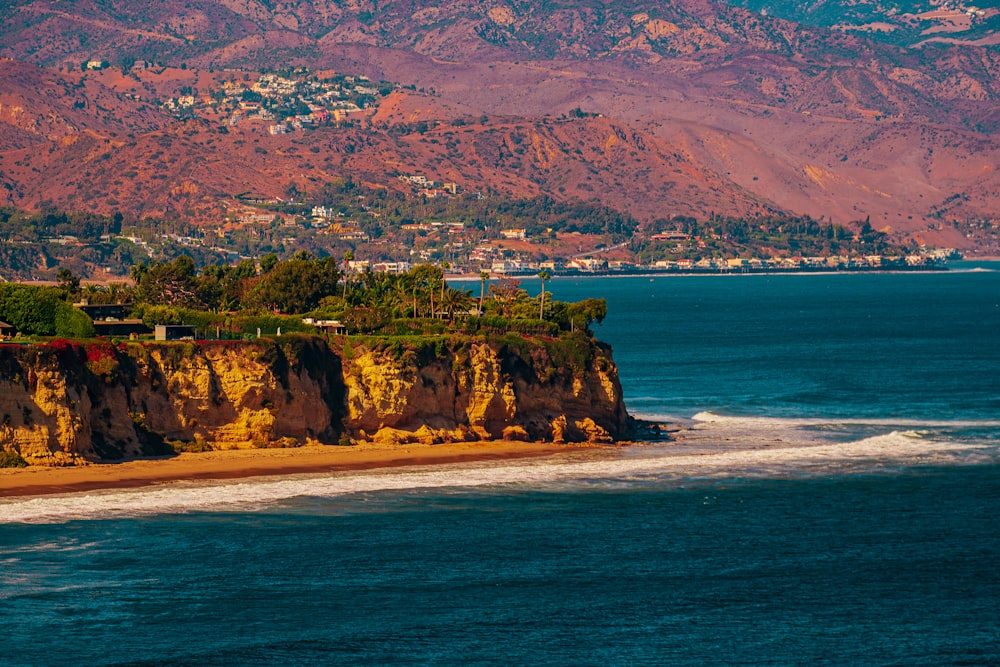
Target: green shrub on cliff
{"x": 102, "y": 361}
{"x": 573, "y": 350}
{"x": 30, "y": 309}
{"x": 153, "y": 315}
{"x": 547, "y": 357}
{"x": 72, "y": 322}
{"x": 197, "y": 446}
{"x": 12, "y": 460}
{"x": 41, "y": 311}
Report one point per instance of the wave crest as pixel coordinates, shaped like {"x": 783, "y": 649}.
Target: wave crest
{"x": 663, "y": 466}
{"x": 709, "y": 417}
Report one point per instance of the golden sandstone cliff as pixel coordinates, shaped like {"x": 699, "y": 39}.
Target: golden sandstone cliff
{"x": 70, "y": 403}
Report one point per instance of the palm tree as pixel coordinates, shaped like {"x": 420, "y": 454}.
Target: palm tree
{"x": 483, "y": 277}
{"x": 544, "y": 275}
{"x": 425, "y": 279}
{"x": 403, "y": 290}
{"x": 348, "y": 256}
{"x": 137, "y": 272}
{"x": 456, "y": 300}
{"x": 444, "y": 267}
{"x": 378, "y": 289}
{"x": 119, "y": 292}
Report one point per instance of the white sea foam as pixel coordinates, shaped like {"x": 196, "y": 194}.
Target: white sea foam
{"x": 666, "y": 465}
{"x": 786, "y": 422}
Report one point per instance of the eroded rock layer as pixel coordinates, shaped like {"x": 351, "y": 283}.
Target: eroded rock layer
{"x": 66, "y": 403}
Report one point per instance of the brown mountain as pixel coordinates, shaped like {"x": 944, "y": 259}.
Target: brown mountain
{"x": 702, "y": 107}
{"x": 189, "y": 168}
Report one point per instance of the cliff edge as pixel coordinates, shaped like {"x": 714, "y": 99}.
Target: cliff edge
{"x": 67, "y": 403}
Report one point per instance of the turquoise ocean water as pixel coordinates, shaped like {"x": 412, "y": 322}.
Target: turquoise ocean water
{"x": 831, "y": 498}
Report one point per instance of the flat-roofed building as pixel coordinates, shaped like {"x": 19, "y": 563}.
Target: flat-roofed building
{"x": 174, "y": 332}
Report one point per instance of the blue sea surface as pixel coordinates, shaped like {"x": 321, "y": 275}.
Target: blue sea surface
{"x": 891, "y": 345}
{"x": 830, "y": 497}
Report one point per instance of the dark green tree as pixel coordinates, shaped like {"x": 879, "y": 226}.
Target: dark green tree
{"x": 41, "y": 311}
{"x": 170, "y": 284}
{"x": 583, "y": 313}
{"x": 297, "y": 285}
{"x": 267, "y": 262}
{"x": 68, "y": 282}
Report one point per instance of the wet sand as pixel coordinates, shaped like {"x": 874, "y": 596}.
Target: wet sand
{"x": 240, "y": 463}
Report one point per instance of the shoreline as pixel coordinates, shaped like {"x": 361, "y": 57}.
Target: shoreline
{"x": 247, "y": 463}
{"x": 463, "y": 278}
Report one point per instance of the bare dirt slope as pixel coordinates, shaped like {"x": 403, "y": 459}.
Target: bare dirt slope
{"x": 699, "y": 107}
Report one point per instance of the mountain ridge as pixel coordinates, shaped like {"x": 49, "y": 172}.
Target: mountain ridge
{"x": 741, "y": 113}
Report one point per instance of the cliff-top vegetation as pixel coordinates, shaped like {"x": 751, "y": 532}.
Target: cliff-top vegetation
{"x": 302, "y": 294}
{"x": 424, "y": 362}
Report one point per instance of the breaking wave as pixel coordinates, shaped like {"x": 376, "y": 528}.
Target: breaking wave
{"x": 783, "y": 422}
{"x": 653, "y": 466}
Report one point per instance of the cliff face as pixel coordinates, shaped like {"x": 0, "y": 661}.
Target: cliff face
{"x": 469, "y": 390}
{"x": 63, "y": 403}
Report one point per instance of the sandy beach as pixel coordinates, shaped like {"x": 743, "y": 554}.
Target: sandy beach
{"x": 232, "y": 464}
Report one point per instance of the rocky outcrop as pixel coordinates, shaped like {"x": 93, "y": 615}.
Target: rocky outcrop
{"x": 66, "y": 403}
{"x": 466, "y": 389}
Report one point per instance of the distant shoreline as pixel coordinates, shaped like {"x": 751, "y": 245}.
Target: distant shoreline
{"x": 709, "y": 272}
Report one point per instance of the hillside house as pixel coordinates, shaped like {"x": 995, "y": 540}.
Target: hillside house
{"x": 670, "y": 236}
{"x": 110, "y": 319}
{"x": 392, "y": 267}
{"x": 174, "y": 332}
{"x": 331, "y": 327}
{"x": 620, "y": 265}
{"x": 121, "y": 328}
{"x": 588, "y": 264}
{"x": 417, "y": 180}
{"x": 104, "y": 311}
{"x": 512, "y": 266}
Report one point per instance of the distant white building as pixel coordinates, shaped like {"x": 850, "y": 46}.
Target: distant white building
{"x": 392, "y": 267}
{"x": 505, "y": 266}
{"x": 418, "y": 180}
{"x": 588, "y": 264}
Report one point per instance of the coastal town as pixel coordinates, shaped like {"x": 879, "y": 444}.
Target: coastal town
{"x": 366, "y": 240}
